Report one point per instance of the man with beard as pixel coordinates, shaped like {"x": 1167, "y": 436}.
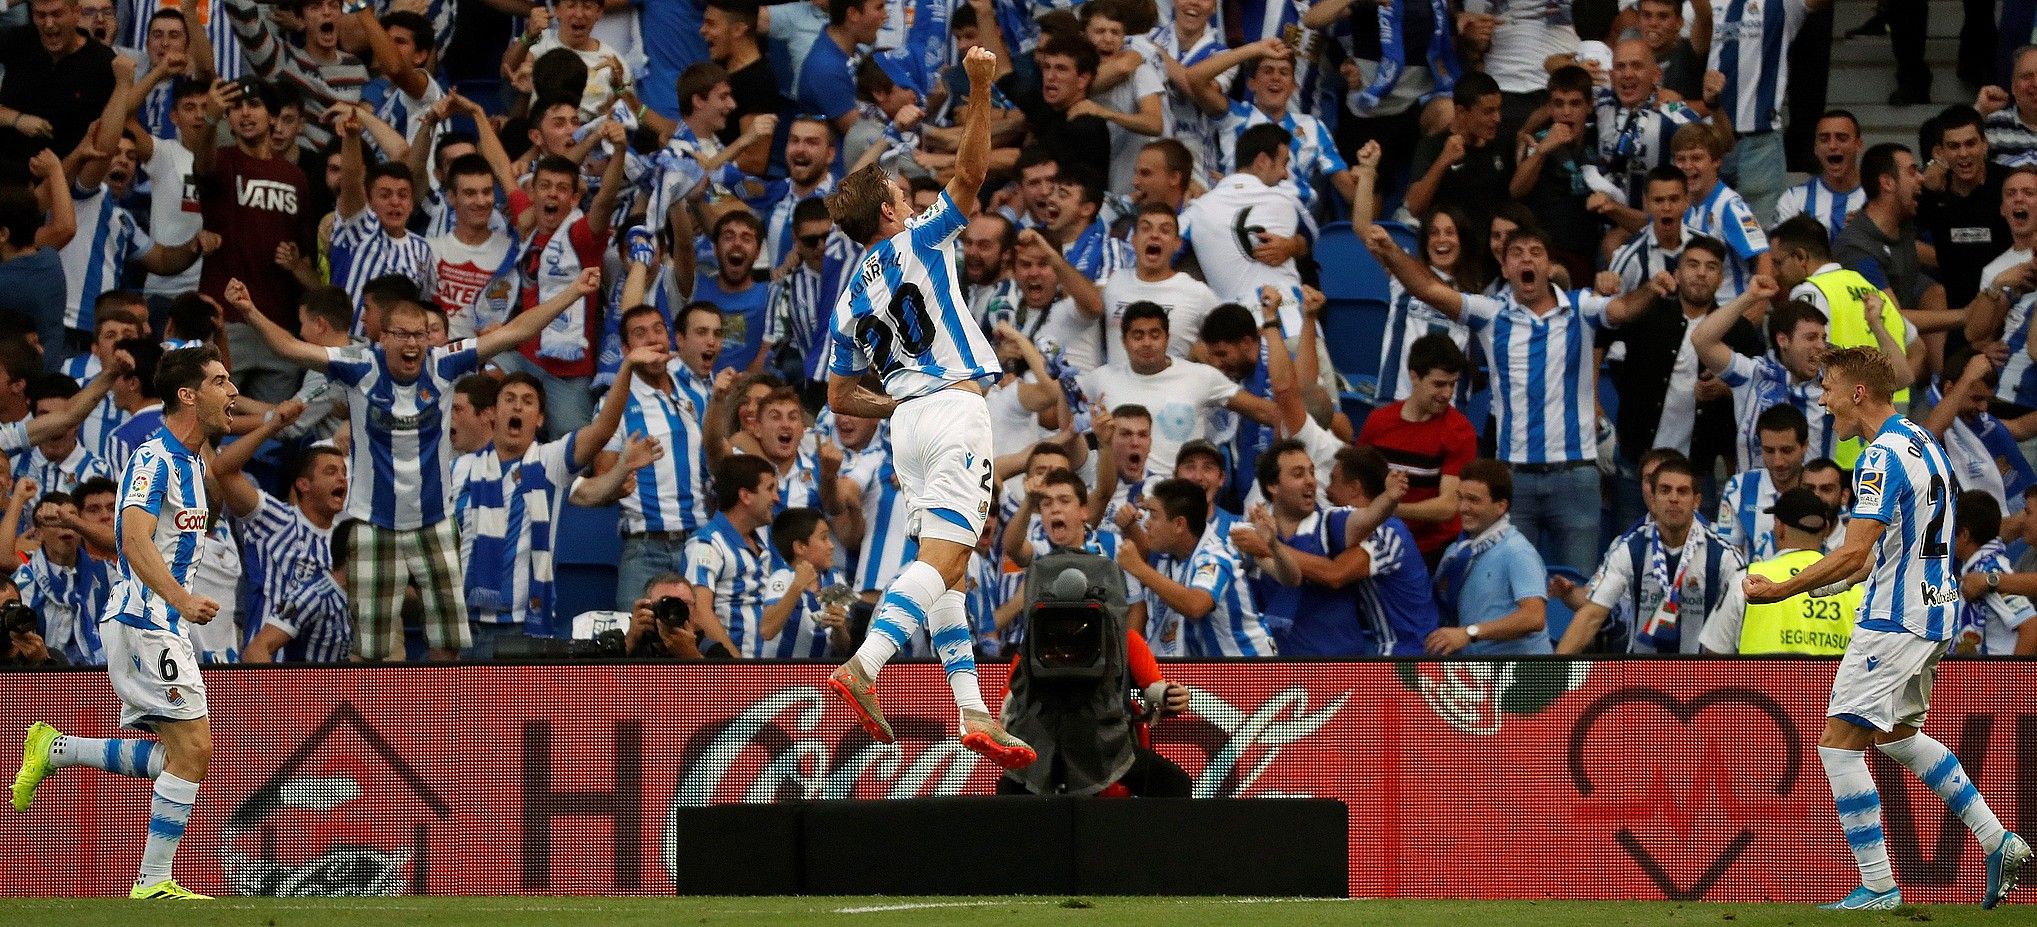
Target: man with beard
{"x": 1543, "y": 376}
{"x": 1880, "y": 242}
{"x": 1834, "y": 193}
{"x": 797, "y": 309}
{"x": 264, "y": 201}
{"x": 60, "y": 79}
{"x": 508, "y": 498}
{"x": 987, "y": 246}
{"x": 1074, "y": 219}
{"x": 1329, "y": 545}
{"x": 297, "y": 611}
{"x": 1661, "y": 581}
{"x": 1667, "y": 398}
{"x": 324, "y": 72}
{"x": 1155, "y": 240}
{"x": 1180, "y": 394}
{"x": 809, "y": 175}
{"x": 666, "y": 403}
{"x": 1058, "y": 307}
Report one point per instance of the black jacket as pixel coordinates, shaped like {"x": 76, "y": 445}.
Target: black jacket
{"x": 1642, "y": 381}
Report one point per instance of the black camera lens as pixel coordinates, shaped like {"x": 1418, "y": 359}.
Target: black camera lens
{"x": 670, "y": 611}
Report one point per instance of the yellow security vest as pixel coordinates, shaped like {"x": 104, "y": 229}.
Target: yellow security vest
{"x": 1844, "y": 292}
{"x": 1800, "y": 623}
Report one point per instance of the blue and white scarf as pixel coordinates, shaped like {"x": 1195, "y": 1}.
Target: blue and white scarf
{"x": 565, "y": 339}
{"x": 522, "y": 492}
{"x": 1456, "y": 566}
{"x": 1442, "y": 58}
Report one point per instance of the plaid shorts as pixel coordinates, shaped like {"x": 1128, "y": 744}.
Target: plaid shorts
{"x": 381, "y": 564}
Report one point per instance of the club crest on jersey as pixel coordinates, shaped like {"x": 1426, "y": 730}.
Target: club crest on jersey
{"x": 176, "y": 696}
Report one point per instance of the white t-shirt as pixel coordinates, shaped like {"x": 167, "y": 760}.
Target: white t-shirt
{"x": 1529, "y": 32}
{"x": 1012, "y": 428}
{"x": 1186, "y": 299}
{"x": 174, "y": 214}
{"x": 1124, "y": 98}
{"x": 1218, "y": 224}
{"x": 1679, "y": 405}
{"x": 594, "y": 99}
{"x": 1062, "y": 331}
{"x": 1180, "y": 397}
{"x": 461, "y": 273}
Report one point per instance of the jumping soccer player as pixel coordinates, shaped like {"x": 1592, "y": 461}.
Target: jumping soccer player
{"x": 1904, "y": 517}
{"x": 162, "y": 529}
{"x": 902, "y": 323}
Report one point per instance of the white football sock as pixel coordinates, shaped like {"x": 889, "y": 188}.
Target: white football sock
{"x": 902, "y": 610}
{"x": 1940, "y": 770}
{"x": 126, "y": 756}
{"x": 168, "y": 812}
{"x": 948, "y": 625}
{"x": 1859, "y": 806}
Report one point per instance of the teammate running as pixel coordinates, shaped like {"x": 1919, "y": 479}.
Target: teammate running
{"x": 902, "y": 323}
{"x": 162, "y": 529}
{"x": 1882, "y": 692}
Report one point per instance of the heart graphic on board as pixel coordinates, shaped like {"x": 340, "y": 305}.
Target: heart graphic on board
{"x": 1682, "y": 781}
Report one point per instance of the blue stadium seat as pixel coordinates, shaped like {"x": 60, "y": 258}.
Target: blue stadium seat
{"x": 1348, "y": 270}
{"x": 1408, "y": 239}
{"x": 1559, "y": 613}
{"x": 1352, "y": 331}
{"x": 588, "y": 537}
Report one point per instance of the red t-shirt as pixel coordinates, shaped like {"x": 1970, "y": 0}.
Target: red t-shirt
{"x": 255, "y": 204}
{"x": 1427, "y": 451}
{"x": 542, "y": 278}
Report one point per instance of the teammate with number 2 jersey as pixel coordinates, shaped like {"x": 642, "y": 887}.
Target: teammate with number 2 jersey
{"x": 1903, "y": 521}
{"x": 900, "y": 325}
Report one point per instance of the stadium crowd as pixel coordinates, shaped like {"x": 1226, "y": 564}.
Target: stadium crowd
{"x": 473, "y": 262}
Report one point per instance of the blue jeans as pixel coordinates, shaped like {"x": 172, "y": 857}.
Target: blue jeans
{"x": 1757, "y": 166}
{"x": 642, "y": 559}
{"x": 1559, "y": 514}
{"x": 569, "y": 406}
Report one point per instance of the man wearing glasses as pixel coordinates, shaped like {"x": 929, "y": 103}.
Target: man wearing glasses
{"x": 399, "y": 394}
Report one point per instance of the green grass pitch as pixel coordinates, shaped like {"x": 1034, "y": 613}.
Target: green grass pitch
{"x": 891, "y": 912}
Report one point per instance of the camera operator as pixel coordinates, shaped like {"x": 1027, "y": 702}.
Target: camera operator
{"x": 661, "y": 625}
{"x": 1085, "y": 686}
{"x": 25, "y": 647}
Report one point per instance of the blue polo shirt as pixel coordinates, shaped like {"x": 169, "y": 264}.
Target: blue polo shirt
{"x": 1509, "y": 572}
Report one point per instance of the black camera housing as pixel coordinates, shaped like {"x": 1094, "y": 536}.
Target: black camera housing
{"x": 19, "y": 619}
{"x": 671, "y": 611}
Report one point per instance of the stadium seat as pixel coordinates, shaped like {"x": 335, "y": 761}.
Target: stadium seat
{"x": 1559, "y": 614}
{"x": 583, "y": 587}
{"x": 1352, "y": 331}
{"x": 1348, "y": 270}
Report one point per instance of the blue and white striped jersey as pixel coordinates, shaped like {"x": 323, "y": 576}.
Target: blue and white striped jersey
{"x": 797, "y": 318}
{"x": 803, "y": 637}
{"x": 902, "y": 312}
{"x": 1743, "y": 514}
{"x": 1750, "y": 45}
{"x": 70, "y": 600}
{"x": 1904, "y": 481}
{"x": 1195, "y": 128}
{"x": 402, "y": 449}
{"x": 1312, "y": 153}
{"x": 721, "y": 559}
{"x": 1642, "y": 257}
{"x": 1991, "y": 622}
{"x": 671, "y": 494}
{"x": 59, "y": 475}
{"x": 508, "y": 515}
{"x": 289, "y": 582}
{"x": 1233, "y": 628}
{"x": 226, "y": 49}
{"x": 94, "y": 260}
{"x": 166, "y": 480}
{"x": 100, "y": 423}
{"x": 886, "y": 547}
{"x": 1630, "y": 141}
{"x": 1543, "y": 381}
{"x": 1761, "y": 382}
{"x": 1828, "y": 206}
{"x": 362, "y": 250}
{"x": 118, "y": 446}
{"x": 1407, "y": 320}
{"x": 1723, "y": 215}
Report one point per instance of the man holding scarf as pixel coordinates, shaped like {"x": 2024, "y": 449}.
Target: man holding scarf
{"x": 1491, "y": 587}
{"x": 1660, "y": 581}
{"x": 1398, "y": 61}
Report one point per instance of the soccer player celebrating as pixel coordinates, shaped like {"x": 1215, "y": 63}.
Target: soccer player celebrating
{"x": 902, "y": 320}
{"x": 1903, "y": 518}
{"x": 162, "y": 520}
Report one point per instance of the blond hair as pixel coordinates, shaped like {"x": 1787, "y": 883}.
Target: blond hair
{"x": 858, "y": 201}
{"x": 1867, "y": 367}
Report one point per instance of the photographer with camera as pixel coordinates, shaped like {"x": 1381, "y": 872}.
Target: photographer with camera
{"x": 25, "y": 646}
{"x": 1085, "y": 686}
{"x": 660, "y": 623}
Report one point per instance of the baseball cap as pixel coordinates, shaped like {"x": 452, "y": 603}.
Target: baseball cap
{"x": 1801, "y": 508}
{"x": 1201, "y": 446}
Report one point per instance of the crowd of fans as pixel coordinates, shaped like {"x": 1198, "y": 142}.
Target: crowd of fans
{"x": 460, "y": 290}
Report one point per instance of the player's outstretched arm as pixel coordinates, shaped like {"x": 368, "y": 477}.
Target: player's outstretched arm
{"x": 972, "y": 158}
{"x": 1842, "y": 565}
